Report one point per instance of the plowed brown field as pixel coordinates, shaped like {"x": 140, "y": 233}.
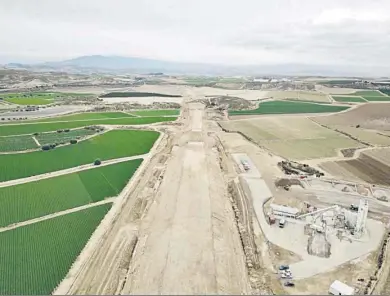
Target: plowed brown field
{"x": 371, "y": 116}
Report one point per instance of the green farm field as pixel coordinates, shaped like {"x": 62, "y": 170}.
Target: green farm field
{"x": 171, "y": 112}
{"x": 349, "y": 99}
{"x": 288, "y": 107}
{"x": 110, "y": 145}
{"x": 83, "y": 116}
{"x": 26, "y": 142}
{"x": 376, "y": 98}
{"x": 30, "y": 128}
{"x": 29, "y": 101}
{"x": 64, "y": 137}
{"x": 35, "y": 199}
{"x": 35, "y": 258}
{"x": 17, "y": 143}
{"x": 137, "y": 95}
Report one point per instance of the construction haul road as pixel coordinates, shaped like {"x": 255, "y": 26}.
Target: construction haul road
{"x": 176, "y": 238}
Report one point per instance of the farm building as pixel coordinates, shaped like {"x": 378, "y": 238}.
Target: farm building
{"x": 339, "y": 288}
{"x": 284, "y": 211}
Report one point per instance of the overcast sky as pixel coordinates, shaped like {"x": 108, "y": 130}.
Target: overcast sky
{"x": 344, "y": 32}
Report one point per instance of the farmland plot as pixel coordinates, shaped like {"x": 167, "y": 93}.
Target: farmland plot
{"x": 289, "y": 107}
{"x": 35, "y": 258}
{"x": 368, "y": 136}
{"x": 376, "y": 98}
{"x": 370, "y": 93}
{"x": 35, "y": 199}
{"x": 63, "y": 137}
{"x": 83, "y": 116}
{"x": 352, "y": 99}
{"x": 113, "y": 144}
{"x": 171, "y": 112}
{"x": 369, "y": 116}
{"x": 371, "y": 166}
{"x": 299, "y": 95}
{"x": 17, "y": 143}
{"x": 29, "y": 128}
{"x": 29, "y": 101}
{"x": 292, "y": 137}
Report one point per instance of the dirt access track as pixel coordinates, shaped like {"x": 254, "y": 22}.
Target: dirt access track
{"x": 177, "y": 236}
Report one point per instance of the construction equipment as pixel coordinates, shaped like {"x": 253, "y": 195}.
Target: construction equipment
{"x": 284, "y": 267}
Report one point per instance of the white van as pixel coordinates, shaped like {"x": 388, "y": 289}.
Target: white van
{"x": 282, "y": 223}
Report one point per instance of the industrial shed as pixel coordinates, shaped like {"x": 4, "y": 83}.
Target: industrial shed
{"x": 339, "y": 288}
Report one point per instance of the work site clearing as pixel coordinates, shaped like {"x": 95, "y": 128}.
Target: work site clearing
{"x": 198, "y": 200}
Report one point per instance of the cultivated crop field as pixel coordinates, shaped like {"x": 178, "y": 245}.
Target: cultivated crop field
{"x": 292, "y": 137}
{"x": 370, "y": 116}
{"x": 63, "y": 137}
{"x": 26, "y": 142}
{"x": 83, "y": 116}
{"x": 30, "y": 128}
{"x": 35, "y": 258}
{"x": 168, "y": 112}
{"x": 29, "y": 101}
{"x": 370, "y": 93}
{"x": 368, "y": 136}
{"x": 299, "y": 95}
{"x": 17, "y": 143}
{"x": 113, "y": 144}
{"x": 288, "y": 107}
{"x": 352, "y": 99}
{"x": 376, "y": 98}
{"x": 137, "y": 95}
{"x": 35, "y": 199}
{"x": 371, "y": 166}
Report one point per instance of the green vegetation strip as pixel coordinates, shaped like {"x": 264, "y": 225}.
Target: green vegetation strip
{"x": 19, "y": 129}
{"x": 29, "y": 101}
{"x": 110, "y": 145}
{"x": 376, "y": 98}
{"x": 137, "y": 95}
{"x": 17, "y": 143}
{"x": 35, "y": 199}
{"x": 83, "y": 116}
{"x": 289, "y": 107}
{"x": 348, "y": 99}
{"x": 167, "y": 112}
{"x": 35, "y": 258}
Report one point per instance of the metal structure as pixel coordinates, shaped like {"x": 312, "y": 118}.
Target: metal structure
{"x": 361, "y": 218}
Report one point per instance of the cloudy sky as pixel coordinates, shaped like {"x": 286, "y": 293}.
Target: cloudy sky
{"x": 344, "y": 32}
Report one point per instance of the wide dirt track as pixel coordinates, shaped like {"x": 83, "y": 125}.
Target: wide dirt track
{"x": 186, "y": 241}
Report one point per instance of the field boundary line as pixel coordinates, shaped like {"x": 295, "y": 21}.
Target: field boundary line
{"x": 36, "y": 141}
{"x": 56, "y": 214}
{"x": 70, "y": 170}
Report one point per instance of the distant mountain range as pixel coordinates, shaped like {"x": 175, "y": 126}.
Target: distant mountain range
{"x": 121, "y": 65}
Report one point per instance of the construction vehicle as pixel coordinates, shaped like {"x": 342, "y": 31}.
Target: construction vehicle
{"x": 354, "y": 208}
{"x": 289, "y": 284}
{"x": 284, "y": 267}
